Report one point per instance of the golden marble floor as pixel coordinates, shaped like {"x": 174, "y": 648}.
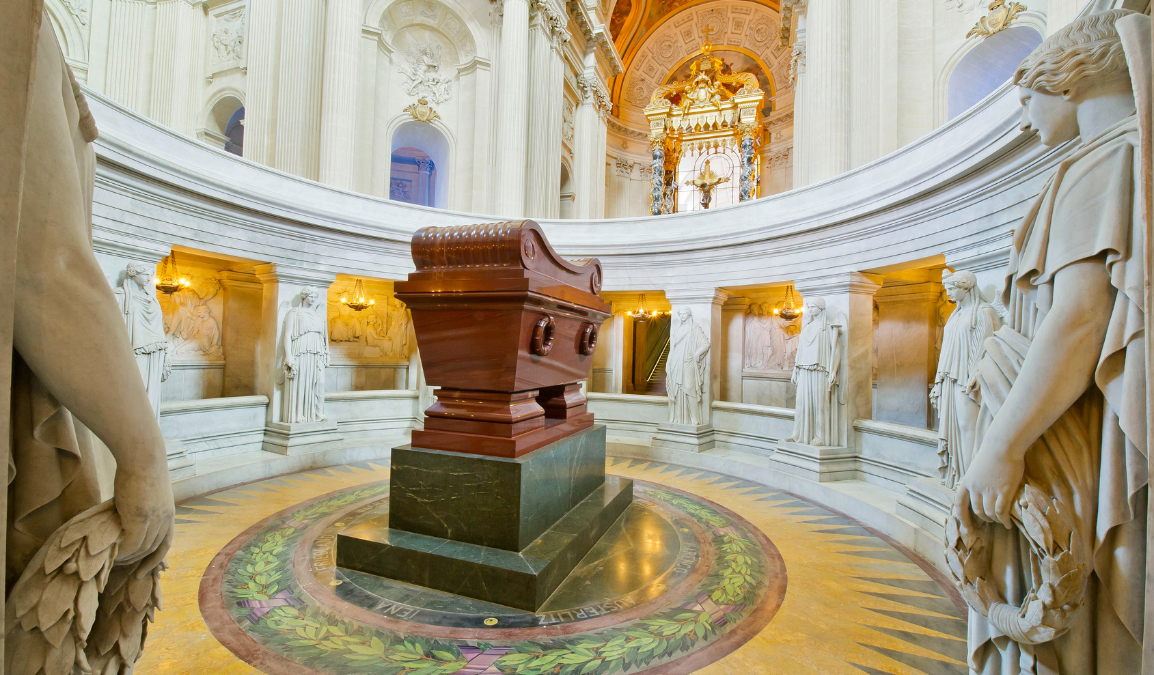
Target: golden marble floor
{"x": 853, "y": 603}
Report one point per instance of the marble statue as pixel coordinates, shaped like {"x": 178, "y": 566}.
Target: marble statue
{"x": 686, "y": 370}
{"x": 304, "y": 359}
{"x": 1047, "y": 539}
{"x": 145, "y": 321}
{"x": 819, "y": 416}
{"x": 965, "y": 332}
{"x": 83, "y": 576}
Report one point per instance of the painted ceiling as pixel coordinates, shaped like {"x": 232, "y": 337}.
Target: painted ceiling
{"x": 657, "y": 39}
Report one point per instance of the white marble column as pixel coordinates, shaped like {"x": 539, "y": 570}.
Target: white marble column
{"x": 298, "y": 113}
{"x": 1061, "y": 12}
{"x": 704, "y": 307}
{"x": 178, "y": 65}
{"x": 282, "y": 285}
{"x": 339, "y": 92}
{"x": 382, "y": 144}
{"x": 424, "y": 187}
{"x": 261, "y": 82}
{"x": 513, "y": 109}
{"x": 546, "y": 94}
{"x": 129, "y": 40}
{"x": 589, "y": 155}
{"x": 825, "y": 126}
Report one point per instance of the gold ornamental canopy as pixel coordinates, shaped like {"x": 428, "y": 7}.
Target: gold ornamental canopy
{"x": 712, "y": 112}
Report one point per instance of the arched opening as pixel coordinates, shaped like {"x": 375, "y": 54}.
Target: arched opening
{"x": 224, "y": 125}
{"x": 234, "y": 132}
{"x": 988, "y": 65}
{"x": 420, "y": 166}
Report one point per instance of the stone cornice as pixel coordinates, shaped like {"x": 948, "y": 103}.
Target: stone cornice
{"x": 292, "y": 274}
{"x": 617, "y": 126}
{"x": 596, "y": 34}
{"x": 848, "y": 283}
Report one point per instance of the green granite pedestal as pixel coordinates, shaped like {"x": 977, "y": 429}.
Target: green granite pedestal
{"x": 500, "y": 530}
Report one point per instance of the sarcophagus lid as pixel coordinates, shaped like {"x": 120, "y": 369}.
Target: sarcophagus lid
{"x": 495, "y": 308}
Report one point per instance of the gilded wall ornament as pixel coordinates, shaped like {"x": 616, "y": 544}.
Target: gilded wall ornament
{"x": 998, "y": 18}
{"x": 422, "y": 111}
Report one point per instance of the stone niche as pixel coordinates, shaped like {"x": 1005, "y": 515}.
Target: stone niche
{"x": 370, "y": 348}
{"x": 194, "y": 324}
{"x": 760, "y": 348}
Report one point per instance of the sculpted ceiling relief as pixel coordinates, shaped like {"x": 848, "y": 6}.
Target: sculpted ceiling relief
{"x": 78, "y": 9}
{"x": 423, "y": 71}
{"x": 228, "y": 37}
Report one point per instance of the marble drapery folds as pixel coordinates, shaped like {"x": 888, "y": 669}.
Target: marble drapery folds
{"x": 965, "y": 332}
{"x": 305, "y": 357}
{"x": 686, "y": 371}
{"x": 1044, "y": 601}
{"x": 819, "y": 417}
{"x": 145, "y": 320}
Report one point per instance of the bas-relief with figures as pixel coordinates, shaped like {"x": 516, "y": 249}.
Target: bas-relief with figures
{"x": 82, "y": 575}
{"x": 1047, "y": 539}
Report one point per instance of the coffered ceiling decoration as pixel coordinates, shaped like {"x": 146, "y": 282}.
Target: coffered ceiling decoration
{"x": 655, "y": 38}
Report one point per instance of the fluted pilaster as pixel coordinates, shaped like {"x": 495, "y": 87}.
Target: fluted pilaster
{"x": 339, "y": 94}
{"x": 260, "y": 97}
{"x": 827, "y": 76}
{"x": 546, "y": 94}
{"x": 299, "y": 87}
{"x": 178, "y": 60}
{"x": 513, "y": 108}
{"x": 589, "y": 151}
{"x": 127, "y": 47}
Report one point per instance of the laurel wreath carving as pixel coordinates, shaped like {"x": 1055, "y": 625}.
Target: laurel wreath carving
{"x": 1058, "y": 557}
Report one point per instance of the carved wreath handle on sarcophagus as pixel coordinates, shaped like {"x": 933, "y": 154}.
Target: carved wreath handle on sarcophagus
{"x": 588, "y": 341}
{"x": 542, "y": 342}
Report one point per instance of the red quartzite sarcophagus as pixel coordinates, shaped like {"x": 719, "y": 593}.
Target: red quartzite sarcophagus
{"x": 504, "y": 491}
{"x": 506, "y": 328}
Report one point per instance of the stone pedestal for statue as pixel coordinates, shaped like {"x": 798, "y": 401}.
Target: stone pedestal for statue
{"x": 301, "y": 437}
{"x": 819, "y": 463}
{"x": 684, "y": 437}
{"x": 504, "y": 491}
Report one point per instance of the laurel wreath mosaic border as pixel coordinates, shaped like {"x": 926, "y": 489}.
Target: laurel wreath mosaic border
{"x": 264, "y": 600}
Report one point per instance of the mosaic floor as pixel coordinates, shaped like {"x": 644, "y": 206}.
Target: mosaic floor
{"x": 704, "y": 573}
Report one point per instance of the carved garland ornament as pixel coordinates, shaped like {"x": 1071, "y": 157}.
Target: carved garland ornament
{"x": 1048, "y": 609}
{"x": 422, "y": 111}
{"x": 998, "y": 19}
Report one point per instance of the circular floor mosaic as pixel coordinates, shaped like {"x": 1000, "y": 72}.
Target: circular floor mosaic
{"x": 677, "y": 583}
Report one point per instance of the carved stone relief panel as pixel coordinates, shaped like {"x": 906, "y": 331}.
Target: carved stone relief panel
{"x": 191, "y": 318}
{"x": 770, "y": 340}
{"x": 380, "y": 333}
{"x": 228, "y": 37}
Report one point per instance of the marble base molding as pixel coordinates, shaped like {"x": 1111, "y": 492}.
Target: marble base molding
{"x": 301, "y": 437}
{"x": 817, "y": 463}
{"x": 686, "y": 437}
{"x": 927, "y": 504}
{"x": 180, "y": 465}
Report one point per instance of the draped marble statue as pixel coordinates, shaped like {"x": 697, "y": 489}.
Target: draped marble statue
{"x": 303, "y": 361}
{"x": 145, "y": 321}
{"x": 686, "y": 370}
{"x": 1047, "y": 540}
{"x": 819, "y": 416}
{"x": 965, "y": 332}
{"x": 82, "y": 576}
